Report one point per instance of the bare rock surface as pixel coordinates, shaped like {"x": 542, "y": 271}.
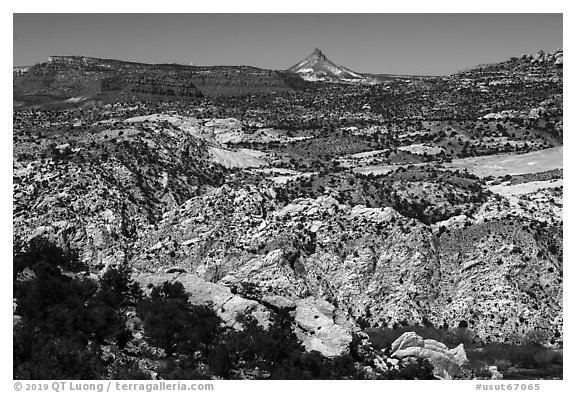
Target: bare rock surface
{"x": 447, "y": 363}
{"x": 229, "y": 307}
{"x": 318, "y": 324}
{"x": 317, "y": 329}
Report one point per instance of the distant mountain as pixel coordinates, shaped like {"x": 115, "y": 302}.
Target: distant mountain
{"x": 318, "y": 68}
{"x": 79, "y": 80}
{"x": 540, "y": 62}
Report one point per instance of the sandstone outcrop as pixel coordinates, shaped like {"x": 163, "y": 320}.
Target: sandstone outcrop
{"x": 373, "y": 263}
{"x": 317, "y": 329}
{"x": 318, "y": 324}
{"x": 229, "y": 307}
{"x": 447, "y": 363}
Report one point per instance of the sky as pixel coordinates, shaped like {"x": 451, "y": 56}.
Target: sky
{"x": 414, "y": 44}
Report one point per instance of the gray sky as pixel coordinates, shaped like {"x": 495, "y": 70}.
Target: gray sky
{"x": 427, "y": 44}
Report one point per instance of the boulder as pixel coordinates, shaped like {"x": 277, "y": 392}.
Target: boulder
{"x": 278, "y": 302}
{"x": 380, "y": 364}
{"x": 494, "y": 373}
{"x": 407, "y": 340}
{"x": 316, "y": 328}
{"x": 26, "y": 275}
{"x": 540, "y": 55}
{"x": 447, "y": 363}
{"x": 536, "y": 113}
{"x": 373, "y": 214}
{"x": 559, "y": 61}
{"x": 175, "y": 269}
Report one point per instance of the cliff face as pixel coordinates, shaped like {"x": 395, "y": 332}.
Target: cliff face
{"x": 501, "y": 280}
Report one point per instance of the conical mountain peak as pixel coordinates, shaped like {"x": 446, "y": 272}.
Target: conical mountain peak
{"x": 317, "y": 67}
{"x": 318, "y": 52}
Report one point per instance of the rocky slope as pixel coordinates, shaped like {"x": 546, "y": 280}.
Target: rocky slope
{"x": 373, "y": 264}
{"x": 94, "y": 194}
{"x": 147, "y": 190}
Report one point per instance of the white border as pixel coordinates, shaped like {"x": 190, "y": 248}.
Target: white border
{"x": 358, "y": 6}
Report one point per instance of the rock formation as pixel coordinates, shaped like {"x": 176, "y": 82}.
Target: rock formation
{"x": 448, "y": 363}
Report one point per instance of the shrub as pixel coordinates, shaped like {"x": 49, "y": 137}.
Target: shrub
{"x": 65, "y": 318}
{"x": 55, "y": 302}
{"x": 536, "y": 337}
{"x": 127, "y": 370}
{"x": 421, "y": 370}
{"x": 219, "y": 360}
{"x": 182, "y": 369}
{"x": 117, "y": 288}
{"x": 174, "y": 325}
{"x": 525, "y": 356}
{"x": 40, "y": 249}
{"x": 44, "y": 355}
